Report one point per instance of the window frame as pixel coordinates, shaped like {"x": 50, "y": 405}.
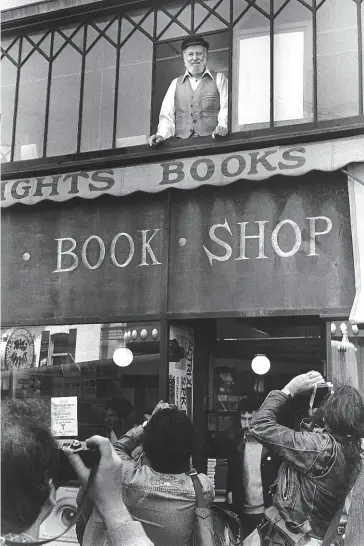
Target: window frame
{"x": 49, "y": 22}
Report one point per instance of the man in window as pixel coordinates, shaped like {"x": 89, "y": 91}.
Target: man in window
{"x": 196, "y": 103}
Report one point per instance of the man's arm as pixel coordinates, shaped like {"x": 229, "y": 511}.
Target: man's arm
{"x": 300, "y": 449}
{"x": 125, "y": 445}
{"x": 166, "y": 125}
{"x": 222, "y": 84}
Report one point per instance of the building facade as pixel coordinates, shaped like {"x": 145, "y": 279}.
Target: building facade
{"x": 196, "y": 255}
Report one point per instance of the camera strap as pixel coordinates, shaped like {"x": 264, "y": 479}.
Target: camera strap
{"x": 73, "y": 521}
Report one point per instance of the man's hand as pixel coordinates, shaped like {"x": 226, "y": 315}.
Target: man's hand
{"x": 106, "y": 486}
{"x": 304, "y": 382}
{"x": 161, "y": 405}
{"x": 229, "y": 497}
{"x": 154, "y": 140}
{"x": 219, "y": 131}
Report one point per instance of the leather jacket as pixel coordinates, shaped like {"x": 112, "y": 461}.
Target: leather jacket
{"x": 314, "y": 477}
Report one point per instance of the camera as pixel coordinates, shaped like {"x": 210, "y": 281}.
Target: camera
{"x": 89, "y": 456}
{"x": 319, "y": 393}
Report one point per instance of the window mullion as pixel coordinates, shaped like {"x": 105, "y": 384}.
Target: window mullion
{"x": 314, "y": 59}
{"x": 82, "y": 83}
{"x": 117, "y": 79}
{"x": 49, "y": 82}
{"x": 16, "y": 99}
{"x": 271, "y": 31}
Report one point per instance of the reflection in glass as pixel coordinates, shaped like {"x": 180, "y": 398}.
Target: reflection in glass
{"x": 337, "y": 59}
{"x": 76, "y": 361}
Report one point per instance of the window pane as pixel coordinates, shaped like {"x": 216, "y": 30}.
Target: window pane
{"x": 251, "y": 83}
{"x": 8, "y": 79}
{"x": 165, "y": 30}
{"x": 31, "y": 103}
{"x": 98, "y": 97}
{"x": 337, "y": 59}
{"x": 292, "y": 59}
{"x": 64, "y": 97}
{"x": 170, "y": 65}
{"x": 135, "y": 85}
{"x": 293, "y": 65}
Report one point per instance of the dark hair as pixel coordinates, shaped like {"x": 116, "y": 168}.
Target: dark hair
{"x": 120, "y": 406}
{"x": 29, "y": 460}
{"x": 169, "y": 439}
{"x": 343, "y": 415}
{"x": 135, "y": 417}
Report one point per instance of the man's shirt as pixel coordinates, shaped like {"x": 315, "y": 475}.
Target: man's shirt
{"x": 166, "y": 126}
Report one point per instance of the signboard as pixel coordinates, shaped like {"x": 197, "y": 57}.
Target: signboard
{"x": 17, "y": 349}
{"x": 82, "y": 261}
{"x": 188, "y": 173}
{"x": 285, "y": 247}
{"x": 64, "y": 416}
{"x": 181, "y": 353}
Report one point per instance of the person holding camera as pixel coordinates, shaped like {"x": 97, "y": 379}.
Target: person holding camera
{"x": 320, "y": 464}
{"x": 30, "y": 471}
{"x": 156, "y": 488}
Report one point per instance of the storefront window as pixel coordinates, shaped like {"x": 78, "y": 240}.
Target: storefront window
{"x": 76, "y": 362}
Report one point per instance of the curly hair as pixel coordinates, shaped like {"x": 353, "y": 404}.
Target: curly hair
{"x": 29, "y": 460}
{"x": 169, "y": 439}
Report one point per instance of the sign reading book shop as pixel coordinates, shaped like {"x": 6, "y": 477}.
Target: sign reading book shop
{"x": 187, "y": 173}
{"x": 282, "y": 246}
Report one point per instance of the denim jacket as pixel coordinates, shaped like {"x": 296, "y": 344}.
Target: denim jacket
{"x": 314, "y": 477}
{"x": 164, "y": 503}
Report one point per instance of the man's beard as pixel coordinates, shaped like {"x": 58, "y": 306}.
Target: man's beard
{"x": 196, "y": 69}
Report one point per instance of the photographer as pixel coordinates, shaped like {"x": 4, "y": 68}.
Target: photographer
{"x": 319, "y": 465}
{"x": 155, "y": 488}
{"x": 30, "y": 468}
{"x": 106, "y": 493}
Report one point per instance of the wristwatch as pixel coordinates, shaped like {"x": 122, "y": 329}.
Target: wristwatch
{"x": 287, "y": 391}
{"x": 145, "y": 424}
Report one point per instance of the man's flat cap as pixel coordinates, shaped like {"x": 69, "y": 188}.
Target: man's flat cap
{"x": 194, "y": 40}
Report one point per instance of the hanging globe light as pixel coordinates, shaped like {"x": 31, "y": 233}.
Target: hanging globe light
{"x": 260, "y": 364}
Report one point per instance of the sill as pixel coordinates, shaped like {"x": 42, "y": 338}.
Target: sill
{"x": 234, "y": 142}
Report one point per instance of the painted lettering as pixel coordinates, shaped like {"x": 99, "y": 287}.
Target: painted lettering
{"x": 100, "y": 177}
{"x": 74, "y": 181}
{"x": 3, "y": 184}
{"x": 210, "y": 169}
{"x": 297, "y": 160}
{"x": 131, "y": 249}
{"x": 257, "y": 159}
{"x": 41, "y": 184}
{"x": 314, "y": 233}
{"x": 172, "y": 169}
{"x": 260, "y": 237}
{"x": 147, "y": 248}
{"x": 297, "y": 243}
{"x": 241, "y": 165}
{"x": 102, "y": 252}
{"x": 68, "y": 252}
{"x": 25, "y": 189}
{"x": 220, "y": 242}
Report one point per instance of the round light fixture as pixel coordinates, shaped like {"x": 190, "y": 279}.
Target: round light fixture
{"x": 122, "y": 357}
{"x": 260, "y": 364}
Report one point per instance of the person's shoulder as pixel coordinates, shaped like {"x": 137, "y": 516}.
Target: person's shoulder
{"x": 206, "y": 483}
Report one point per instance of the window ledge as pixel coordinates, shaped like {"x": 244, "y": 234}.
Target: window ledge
{"x": 136, "y": 155}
